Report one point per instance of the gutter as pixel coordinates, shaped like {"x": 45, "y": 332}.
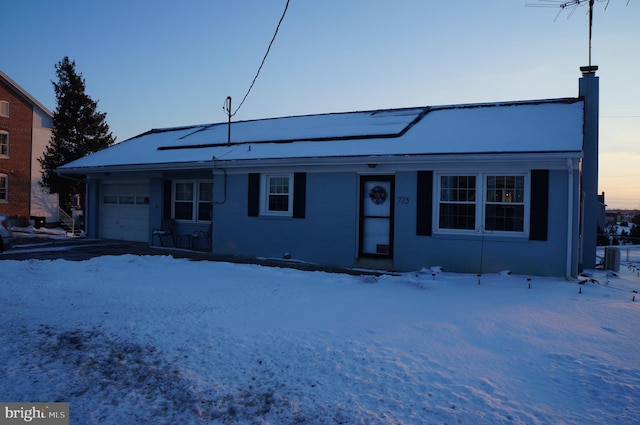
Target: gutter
{"x": 568, "y": 274}
{"x": 524, "y": 157}
{"x": 213, "y": 173}
{"x": 59, "y": 173}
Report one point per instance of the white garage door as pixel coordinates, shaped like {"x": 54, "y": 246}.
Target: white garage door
{"x": 124, "y": 211}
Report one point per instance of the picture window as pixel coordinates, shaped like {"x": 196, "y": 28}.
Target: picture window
{"x": 484, "y": 202}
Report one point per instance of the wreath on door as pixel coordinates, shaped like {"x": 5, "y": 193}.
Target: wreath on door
{"x": 378, "y": 195}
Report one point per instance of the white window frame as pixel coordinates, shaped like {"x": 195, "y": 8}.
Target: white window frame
{"x": 506, "y": 195}
{"x": 5, "y": 109}
{"x": 200, "y": 201}
{"x": 438, "y": 200}
{"x": 5, "y": 188}
{"x": 5, "y": 155}
{"x": 265, "y": 186}
{"x": 481, "y": 204}
{"x": 195, "y": 202}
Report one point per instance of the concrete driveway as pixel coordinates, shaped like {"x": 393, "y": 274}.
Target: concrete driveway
{"x": 79, "y": 249}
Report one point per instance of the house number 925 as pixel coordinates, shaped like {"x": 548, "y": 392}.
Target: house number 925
{"x": 403, "y": 200}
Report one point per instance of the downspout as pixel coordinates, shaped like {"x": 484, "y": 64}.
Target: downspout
{"x": 224, "y": 187}
{"x": 213, "y": 190}
{"x": 569, "y": 261}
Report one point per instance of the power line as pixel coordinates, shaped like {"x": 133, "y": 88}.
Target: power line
{"x": 227, "y": 106}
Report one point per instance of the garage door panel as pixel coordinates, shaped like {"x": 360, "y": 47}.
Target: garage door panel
{"x": 125, "y": 212}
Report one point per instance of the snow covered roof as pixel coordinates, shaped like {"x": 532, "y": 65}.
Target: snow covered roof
{"x": 553, "y": 125}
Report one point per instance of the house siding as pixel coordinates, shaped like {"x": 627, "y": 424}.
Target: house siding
{"x": 43, "y": 203}
{"x": 156, "y": 202}
{"x": 92, "y": 208}
{"x": 326, "y": 234}
{"x": 475, "y": 253}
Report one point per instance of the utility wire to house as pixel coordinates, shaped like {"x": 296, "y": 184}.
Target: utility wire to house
{"x": 227, "y": 106}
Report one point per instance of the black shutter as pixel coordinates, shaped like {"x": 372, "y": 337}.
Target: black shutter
{"x": 299, "y": 194}
{"x": 253, "y": 195}
{"x": 166, "y": 206}
{"x": 539, "y": 205}
{"x": 424, "y": 203}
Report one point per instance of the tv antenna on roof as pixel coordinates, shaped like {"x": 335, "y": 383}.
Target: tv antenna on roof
{"x": 573, "y": 5}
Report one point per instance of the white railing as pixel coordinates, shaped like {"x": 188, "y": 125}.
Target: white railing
{"x": 67, "y": 221}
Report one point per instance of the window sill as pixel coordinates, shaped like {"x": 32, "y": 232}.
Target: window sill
{"x": 476, "y": 236}
{"x": 281, "y": 217}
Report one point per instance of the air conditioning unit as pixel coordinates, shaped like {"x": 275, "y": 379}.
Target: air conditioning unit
{"x": 611, "y": 258}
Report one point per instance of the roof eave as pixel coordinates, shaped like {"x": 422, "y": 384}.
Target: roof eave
{"x": 524, "y": 157}
{"x": 167, "y": 166}
{"x": 405, "y": 159}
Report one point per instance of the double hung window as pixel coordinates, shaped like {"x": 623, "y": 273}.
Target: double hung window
{"x": 482, "y": 202}
{"x": 4, "y": 143}
{"x": 278, "y": 194}
{"x": 4, "y": 108}
{"x": 504, "y": 204}
{"x": 205, "y": 201}
{"x": 192, "y": 200}
{"x": 457, "y": 202}
{"x": 4, "y": 182}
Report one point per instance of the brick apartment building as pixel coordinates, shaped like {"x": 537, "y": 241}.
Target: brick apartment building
{"x": 25, "y": 131}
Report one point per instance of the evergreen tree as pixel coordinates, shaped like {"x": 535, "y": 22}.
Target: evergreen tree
{"x": 78, "y": 130}
{"x": 635, "y": 232}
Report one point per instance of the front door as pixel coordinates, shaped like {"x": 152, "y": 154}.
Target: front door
{"x": 376, "y": 216}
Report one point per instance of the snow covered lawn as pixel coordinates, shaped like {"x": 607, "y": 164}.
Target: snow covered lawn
{"x": 157, "y": 340}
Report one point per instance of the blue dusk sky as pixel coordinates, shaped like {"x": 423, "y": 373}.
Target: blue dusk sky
{"x": 155, "y": 63}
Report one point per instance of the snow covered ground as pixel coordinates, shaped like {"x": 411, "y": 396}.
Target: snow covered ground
{"x": 31, "y": 231}
{"x": 157, "y": 340}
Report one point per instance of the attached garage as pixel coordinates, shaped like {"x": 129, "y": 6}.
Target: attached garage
{"x": 125, "y": 211}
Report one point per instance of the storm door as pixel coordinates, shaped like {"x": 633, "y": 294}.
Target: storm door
{"x": 376, "y": 216}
